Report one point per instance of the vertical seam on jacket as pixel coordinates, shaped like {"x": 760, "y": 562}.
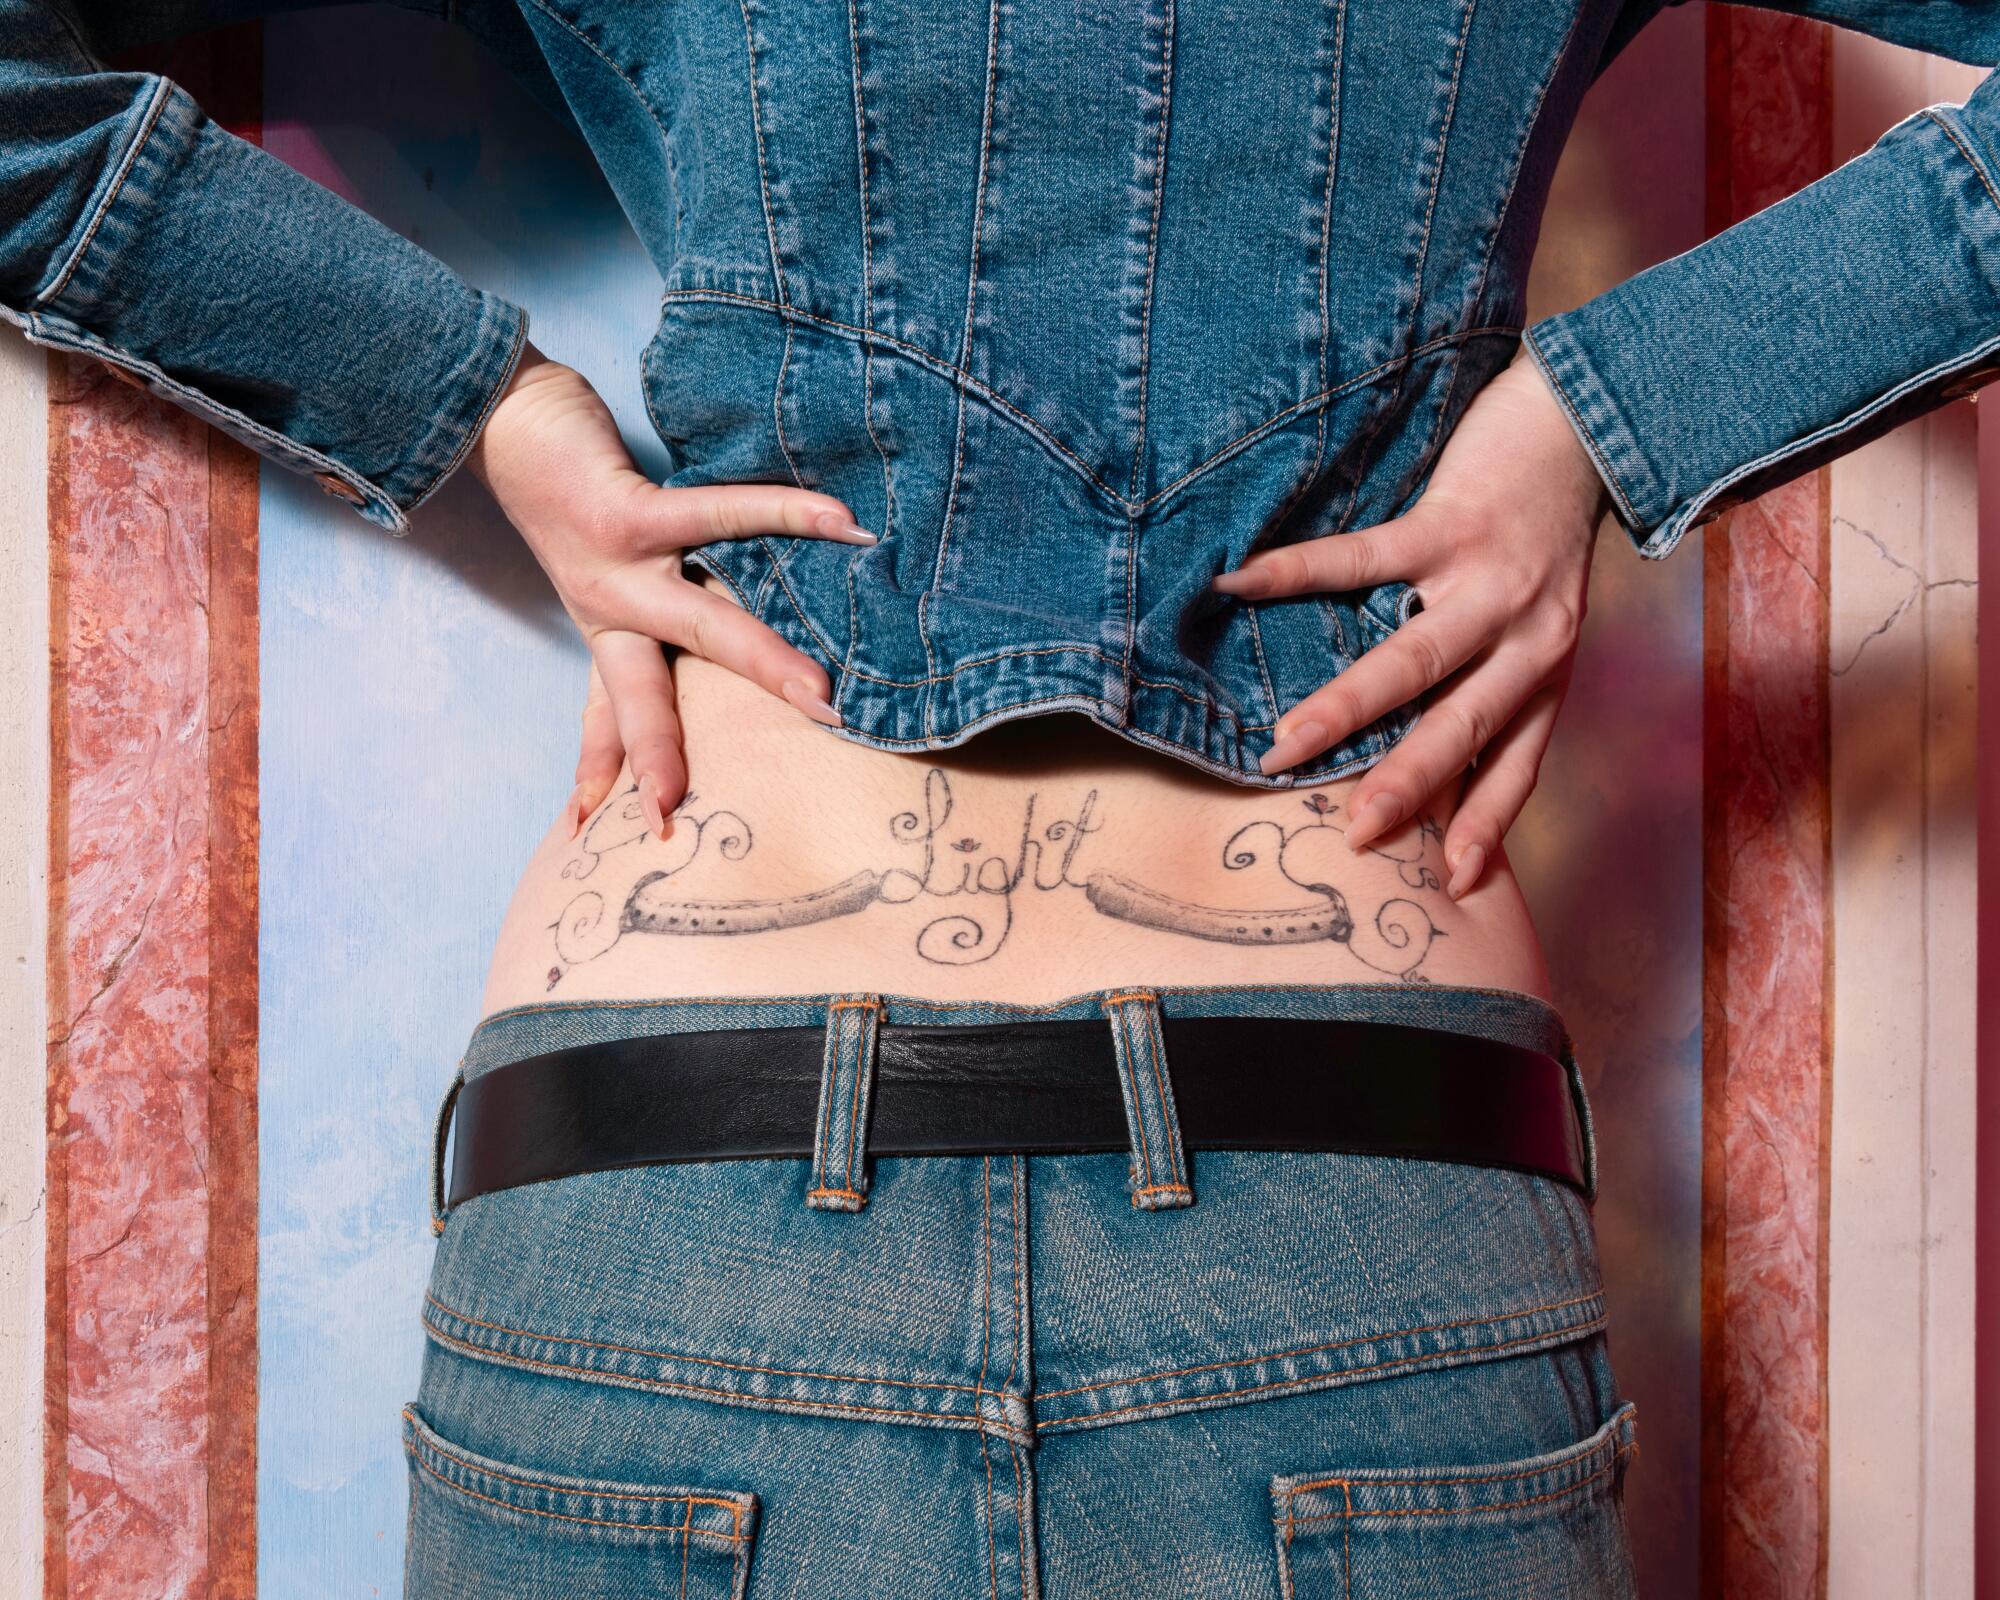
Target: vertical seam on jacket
{"x": 1423, "y": 264}
{"x": 771, "y": 240}
{"x": 1437, "y": 170}
{"x": 1423, "y": 261}
{"x": 763, "y": 175}
{"x": 1333, "y": 110}
{"x": 1153, "y": 234}
{"x": 1263, "y": 665}
{"x": 1129, "y": 627}
{"x": 964, "y": 356}
{"x": 867, "y": 344}
{"x": 1528, "y": 128}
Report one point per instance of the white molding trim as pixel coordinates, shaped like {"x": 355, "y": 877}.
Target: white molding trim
{"x": 24, "y": 792}
{"x": 1904, "y": 1156}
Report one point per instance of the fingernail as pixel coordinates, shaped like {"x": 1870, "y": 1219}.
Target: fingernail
{"x": 812, "y": 705}
{"x": 649, "y": 800}
{"x": 1383, "y": 811}
{"x": 835, "y": 526}
{"x": 574, "y": 810}
{"x": 1243, "y": 580}
{"x": 1301, "y": 740}
{"x": 1471, "y": 862}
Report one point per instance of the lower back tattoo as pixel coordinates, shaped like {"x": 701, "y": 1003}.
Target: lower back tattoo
{"x": 925, "y": 862}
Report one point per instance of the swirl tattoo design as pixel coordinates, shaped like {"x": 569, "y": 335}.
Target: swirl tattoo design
{"x": 982, "y": 884}
{"x": 1303, "y": 857}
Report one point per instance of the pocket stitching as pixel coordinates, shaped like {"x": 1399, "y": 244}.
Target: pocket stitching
{"x": 423, "y": 1435}
{"x": 685, "y": 1528}
{"x": 1349, "y": 1514}
{"x": 1544, "y": 1464}
{"x": 1624, "y": 1420}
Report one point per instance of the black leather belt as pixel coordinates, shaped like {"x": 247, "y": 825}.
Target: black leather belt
{"x": 1035, "y": 1088}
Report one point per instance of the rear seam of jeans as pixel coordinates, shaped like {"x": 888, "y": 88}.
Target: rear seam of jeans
{"x": 704, "y": 1361}
{"x": 1323, "y": 1379}
{"x": 1320, "y": 1349}
{"x": 976, "y": 1421}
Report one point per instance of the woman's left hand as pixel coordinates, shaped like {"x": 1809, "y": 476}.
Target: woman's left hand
{"x": 1498, "y": 548}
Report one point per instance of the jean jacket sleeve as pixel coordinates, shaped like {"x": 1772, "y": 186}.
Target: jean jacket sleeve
{"x": 135, "y": 230}
{"x": 1863, "y": 300}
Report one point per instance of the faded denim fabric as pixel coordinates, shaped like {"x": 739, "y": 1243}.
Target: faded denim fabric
{"x": 1330, "y": 1375}
{"x": 1074, "y": 305}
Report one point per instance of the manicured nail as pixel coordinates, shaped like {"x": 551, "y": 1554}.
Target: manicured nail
{"x": 1382, "y": 812}
{"x": 1243, "y": 580}
{"x": 835, "y": 526}
{"x": 649, "y": 801}
{"x": 1294, "y": 745}
{"x": 1471, "y": 862}
{"x": 812, "y": 705}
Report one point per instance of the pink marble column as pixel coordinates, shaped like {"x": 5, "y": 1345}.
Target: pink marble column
{"x": 1767, "y": 900}
{"x": 152, "y": 983}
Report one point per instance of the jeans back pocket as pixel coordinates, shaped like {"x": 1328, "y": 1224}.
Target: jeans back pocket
{"x": 484, "y": 1530}
{"x": 1550, "y": 1526}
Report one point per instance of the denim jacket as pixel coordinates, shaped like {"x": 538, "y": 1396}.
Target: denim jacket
{"x": 1074, "y": 304}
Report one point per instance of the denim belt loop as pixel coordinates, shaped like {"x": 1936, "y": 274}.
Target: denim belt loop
{"x": 1160, "y": 1179}
{"x": 846, "y": 1091}
{"x": 1586, "y": 1125}
{"x": 438, "y": 1138}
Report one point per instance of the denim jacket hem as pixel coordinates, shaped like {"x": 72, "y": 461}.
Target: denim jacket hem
{"x": 1194, "y": 719}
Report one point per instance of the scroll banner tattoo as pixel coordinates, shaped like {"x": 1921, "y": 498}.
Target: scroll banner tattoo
{"x": 1305, "y": 857}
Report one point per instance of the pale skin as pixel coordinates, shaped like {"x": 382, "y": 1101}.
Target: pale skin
{"x": 1498, "y": 548}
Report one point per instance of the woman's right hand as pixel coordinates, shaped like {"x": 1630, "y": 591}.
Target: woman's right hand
{"x": 610, "y": 540}
{"x": 1498, "y": 547}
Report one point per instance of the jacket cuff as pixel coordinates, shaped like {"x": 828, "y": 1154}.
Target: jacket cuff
{"x": 282, "y": 315}
{"x": 1866, "y": 299}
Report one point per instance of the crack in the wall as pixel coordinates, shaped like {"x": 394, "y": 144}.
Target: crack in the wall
{"x": 1919, "y": 587}
{"x": 16, "y": 1224}
{"x": 111, "y": 970}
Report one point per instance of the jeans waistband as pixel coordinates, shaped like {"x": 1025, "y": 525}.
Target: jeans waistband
{"x": 1505, "y": 1015}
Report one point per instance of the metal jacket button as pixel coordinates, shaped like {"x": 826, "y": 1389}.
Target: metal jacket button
{"x": 1979, "y": 377}
{"x": 341, "y": 487}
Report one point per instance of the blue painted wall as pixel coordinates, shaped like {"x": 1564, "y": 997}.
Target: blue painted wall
{"x": 419, "y": 717}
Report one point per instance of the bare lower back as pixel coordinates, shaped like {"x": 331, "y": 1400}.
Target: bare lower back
{"x": 1046, "y": 858}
